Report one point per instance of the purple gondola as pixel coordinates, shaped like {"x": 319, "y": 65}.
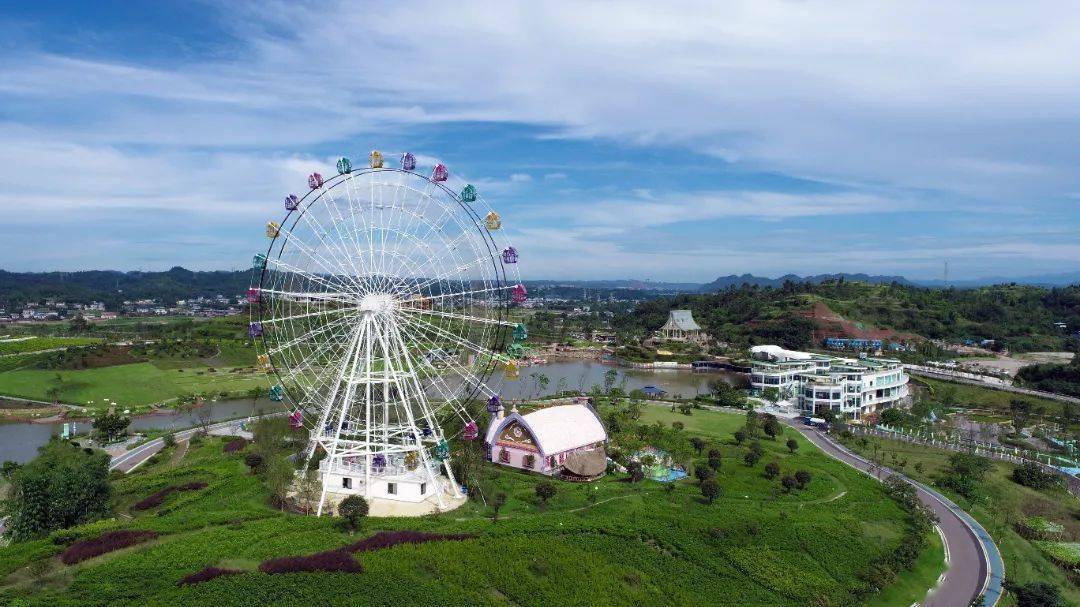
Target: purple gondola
{"x": 291, "y": 202}
{"x": 509, "y": 255}
{"x": 408, "y": 162}
{"x": 255, "y": 329}
{"x": 315, "y": 181}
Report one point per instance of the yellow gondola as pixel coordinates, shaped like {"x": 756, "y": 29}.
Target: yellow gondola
{"x": 376, "y": 159}
{"x": 493, "y": 221}
{"x": 273, "y": 228}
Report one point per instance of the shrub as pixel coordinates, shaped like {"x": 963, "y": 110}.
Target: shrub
{"x": 104, "y": 543}
{"x": 253, "y": 461}
{"x": 1037, "y": 594}
{"x": 792, "y": 445}
{"x": 740, "y": 436}
{"x": 636, "y": 472}
{"x": 206, "y": 575}
{"x": 156, "y": 499}
{"x": 751, "y": 458}
{"x": 169, "y": 440}
{"x": 714, "y": 459}
{"x": 388, "y": 539}
{"x": 703, "y": 472}
{"x": 234, "y": 445}
{"x": 789, "y": 482}
{"x": 678, "y": 426}
{"x": 710, "y": 489}
{"x": 332, "y": 560}
{"x": 1032, "y": 475}
{"x": 964, "y": 474}
{"x": 772, "y": 470}
{"x": 353, "y": 509}
{"x": 802, "y": 477}
{"x": 545, "y": 490}
{"x": 696, "y": 442}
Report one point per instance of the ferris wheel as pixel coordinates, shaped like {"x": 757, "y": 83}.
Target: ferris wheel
{"x": 381, "y": 308}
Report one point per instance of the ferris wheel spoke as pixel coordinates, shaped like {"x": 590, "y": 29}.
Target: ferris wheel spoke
{"x": 336, "y": 222}
{"x": 310, "y": 296}
{"x": 347, "y": 267}
{"x": 462, "y": 317}
{"x": 336, "y": 324}
{"x": 290, "y": 269}
{"x": 273, "y": 321}
{"x": 335, "y": 272}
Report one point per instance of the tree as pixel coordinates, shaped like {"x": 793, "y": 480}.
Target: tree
{"x": 686, "y": 409}
{"x": 353, "y": 509}
{"x": 711, "y": 489}
{"x": 169, "y": 440}
{"x": 802, "y": 477}
{"x": 9, "y": 468}
{"x": 610, "y": 376}
{"x": 751, "y": 458}
{"x": 1037, "y": 594}
{"x": 697, "y": 443}
{"x": 79, "y": 325}
{"x": 789, "y": 483}
{"x": 792, "y": 445}
{"x": 703, "y": 472}
{"x": 752, "y": 423}
{"x": 891, "y": 417}
{"x": 1020, "y": 410}
{"x": 497, "y": 502}
{"x": 714, "y": 459}
{"x": 1032, "y": 475}
{"x": 772, "y": 470}
{"x": 678, "y": 426}
{"x": 62, "y": 487}
{"x": 771, "y": 394}
{"x": 772, "y": 427}
{"x": 253, "y": 461}
{"x": 636, "y": 472}
{"x": 111, "y": 426}
{"x": 278, "y": 473}
{"x": 545, "y": 490}
{"x": 740, "y": 436}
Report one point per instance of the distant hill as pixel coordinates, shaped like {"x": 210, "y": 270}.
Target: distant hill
{"x": 733, "y": 280}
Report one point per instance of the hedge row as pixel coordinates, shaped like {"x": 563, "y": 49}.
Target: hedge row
{"x": 106, "y": 542}
{"x": 156, "y": 499}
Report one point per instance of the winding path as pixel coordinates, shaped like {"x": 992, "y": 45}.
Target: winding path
{"x": 129, "y": 460}
{"x": 974, "y": 562}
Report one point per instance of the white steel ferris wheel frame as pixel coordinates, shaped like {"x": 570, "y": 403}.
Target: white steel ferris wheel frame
{"x": 382, "y": 287}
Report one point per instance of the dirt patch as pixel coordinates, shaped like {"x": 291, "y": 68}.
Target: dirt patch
{"x": 178, "y": 453}
{"x": 831, "y": 324}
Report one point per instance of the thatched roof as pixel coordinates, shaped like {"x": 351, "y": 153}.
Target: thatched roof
{"x": 586, "y": 463}
{"x": 680, "y": 320}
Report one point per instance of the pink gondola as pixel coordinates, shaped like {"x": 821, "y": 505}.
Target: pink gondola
{"x": 296, "y": 419}
{"x": 471, "y": 431}
{"x": 252, "y": 296}
{"x": 519, "y": 295}
{"x": 439, "y": 173}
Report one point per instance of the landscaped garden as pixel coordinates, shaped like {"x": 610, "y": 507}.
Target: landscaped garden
{"x": 754, "y": 541}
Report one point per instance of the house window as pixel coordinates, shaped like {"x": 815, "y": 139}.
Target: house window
{"x": 391, "y": 488}
{"x": 346, "y": 482}
{"x": 504, "y": 456}
{"x": 423, "y": 488}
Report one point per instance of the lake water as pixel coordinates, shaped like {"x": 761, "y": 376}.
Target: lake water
{"x": 19, "y": 441}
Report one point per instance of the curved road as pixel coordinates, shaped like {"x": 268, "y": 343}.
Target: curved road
{"x": 974, "y": 563}
{"x": 129, "y": 460}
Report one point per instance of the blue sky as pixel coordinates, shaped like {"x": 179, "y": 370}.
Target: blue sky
{"x": 668, "y": 141}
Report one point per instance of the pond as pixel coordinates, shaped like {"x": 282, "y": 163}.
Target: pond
{"x": 19, "y": 441}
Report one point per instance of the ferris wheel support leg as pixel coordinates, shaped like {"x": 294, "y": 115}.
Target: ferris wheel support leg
{"x": 453, "y": 481}
{"x": 332, "y": 451}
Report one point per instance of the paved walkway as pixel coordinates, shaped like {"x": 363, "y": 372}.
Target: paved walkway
{"x": 974, "y": 563}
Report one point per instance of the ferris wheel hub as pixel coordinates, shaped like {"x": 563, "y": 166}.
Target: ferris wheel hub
{"x": 377, "y": 303}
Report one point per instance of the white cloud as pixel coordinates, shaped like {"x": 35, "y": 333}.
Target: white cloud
{"x": 521, "y": 178}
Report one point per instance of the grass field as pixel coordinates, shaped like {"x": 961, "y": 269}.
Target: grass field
{"x": 970, "y": 396}
{"x": 37, "y": 344}
{"x": 1006, "y": 503}
{"x": 602, "y": 543}
{"x": 133, "y": 386}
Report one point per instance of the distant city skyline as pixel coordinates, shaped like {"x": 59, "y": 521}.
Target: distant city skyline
{"x": 674, "y": 142}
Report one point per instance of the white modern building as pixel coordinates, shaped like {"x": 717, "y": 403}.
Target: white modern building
{"x": 850, "y": 387}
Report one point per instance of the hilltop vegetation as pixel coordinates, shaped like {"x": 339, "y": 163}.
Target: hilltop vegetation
{"x": 1019, "y": 318}
{"x": 610, "y": 542}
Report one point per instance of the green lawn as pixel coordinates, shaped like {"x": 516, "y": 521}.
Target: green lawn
{"x": 37, "y": 344}
{"x": 602, "y": 543}
{"x": 133, "y": 386}
{"x": 1006, "y": 503}
{"x": 976, "y": 397}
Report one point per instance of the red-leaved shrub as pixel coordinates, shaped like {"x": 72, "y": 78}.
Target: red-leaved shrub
{"x": 156, "y": 499}
{"x": 331, "y": 560}
{"x": 387, "y": 539}
{"x": 341, "y": 558}
{"x": 234, "y": 445}
{"x": 106, "y": 542}
{"x": 206, "y": 575}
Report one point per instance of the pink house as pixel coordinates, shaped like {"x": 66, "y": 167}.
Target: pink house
{"x": 562, "y": 440}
